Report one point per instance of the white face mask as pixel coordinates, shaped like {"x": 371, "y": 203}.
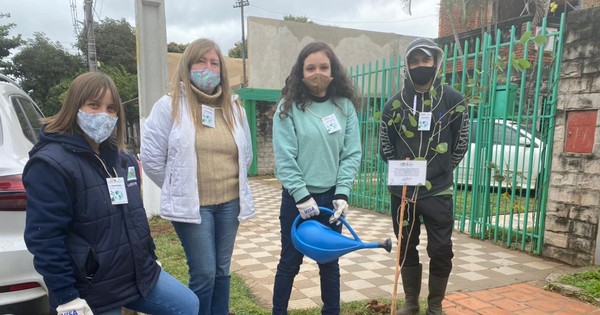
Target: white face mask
{"x": 98, "y": 126}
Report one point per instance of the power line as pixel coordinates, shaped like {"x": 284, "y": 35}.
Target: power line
{"x": 349, "y": 22}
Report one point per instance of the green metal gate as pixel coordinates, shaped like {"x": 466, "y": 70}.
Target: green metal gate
{"x": 510, "y": 80}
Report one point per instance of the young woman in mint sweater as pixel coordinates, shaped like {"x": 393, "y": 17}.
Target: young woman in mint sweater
{"x": 316, "y": 142}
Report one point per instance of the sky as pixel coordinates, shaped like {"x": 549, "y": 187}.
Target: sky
{"x": 188, "y": 20}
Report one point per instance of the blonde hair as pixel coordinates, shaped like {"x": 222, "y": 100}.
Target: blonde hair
{"x": 180, "y": 83}
{"x": 87, "y": 86}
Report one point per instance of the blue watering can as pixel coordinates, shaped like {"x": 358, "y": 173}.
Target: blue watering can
{"x": 322, "y": 244}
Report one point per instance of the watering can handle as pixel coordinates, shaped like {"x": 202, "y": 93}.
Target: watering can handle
{"x": 330, "y": 212}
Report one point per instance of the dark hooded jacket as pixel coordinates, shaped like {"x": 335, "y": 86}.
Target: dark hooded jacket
{"x": 83, "y": 245}
{"x": 443, "y": 145}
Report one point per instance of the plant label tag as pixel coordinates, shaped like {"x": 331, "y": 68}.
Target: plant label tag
{"x": 407, "y": 172}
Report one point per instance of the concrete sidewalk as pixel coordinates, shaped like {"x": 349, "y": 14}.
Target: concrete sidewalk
{"x": 486, "y": 278}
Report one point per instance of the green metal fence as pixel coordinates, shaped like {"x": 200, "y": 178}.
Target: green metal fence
{"x": 510, "y": 81}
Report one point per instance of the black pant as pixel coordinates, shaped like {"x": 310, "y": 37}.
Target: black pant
{"x": 437, "y": 217}
{"x": 291, "y": 259}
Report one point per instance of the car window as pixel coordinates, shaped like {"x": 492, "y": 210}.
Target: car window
{"x": 500, "y": 131}
{"x": 29, "y": 117}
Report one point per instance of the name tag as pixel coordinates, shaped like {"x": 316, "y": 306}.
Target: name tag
{"x": 117, "y": 191}
{"x": 424, "y": 121}
{"x": 331, "y": 123}
{"x": 208, "y": 116}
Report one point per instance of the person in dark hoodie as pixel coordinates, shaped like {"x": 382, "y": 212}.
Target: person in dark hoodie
{"x": 85, "y": 223}
{"x": 425, "y": 120}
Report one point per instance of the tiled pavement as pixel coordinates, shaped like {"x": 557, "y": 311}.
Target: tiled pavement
{"x": 486, "y": 278}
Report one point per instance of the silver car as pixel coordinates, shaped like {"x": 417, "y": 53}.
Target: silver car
{"x": 22, "y": 290}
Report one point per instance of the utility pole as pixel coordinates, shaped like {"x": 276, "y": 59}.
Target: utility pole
{"x": 241, "y": 4}
{"x": 91, "y": 40}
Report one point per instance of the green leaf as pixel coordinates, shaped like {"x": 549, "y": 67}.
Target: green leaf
{"x": 409, "y": 134}
{"x": 427, "y": 103}
{"x": 390, "y": 122}
{"x": 428, "y": 185}
{"x": 404, "y": 223}
{"x": 460, "y": 108}
{"x": 441, "y": 147}
{"x": 517, "y": 66}
{"x": 525, "y": 63}
{"x": 377, "y": 115}
{"x": 396, "y": 104}
{"x": 433, "y": 92}
{"x": 412, "y": 120}
{"x": 420, "y": 158}
{"x": 541, "y": 40}
{"x": 525, "y": 37}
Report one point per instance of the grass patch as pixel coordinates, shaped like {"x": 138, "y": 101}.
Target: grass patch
{"x": 589, "y": 281}
{"x": 242, "y": 301}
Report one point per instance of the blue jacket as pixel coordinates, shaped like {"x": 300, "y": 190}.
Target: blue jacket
{"x": 83, "y": 245}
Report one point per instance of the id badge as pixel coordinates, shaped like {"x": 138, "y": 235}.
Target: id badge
{"x": 208, "y": 116}
{"x": 331, "y": 123}
{"x": 424, "y": 121}
{"x": 117, "y": 191}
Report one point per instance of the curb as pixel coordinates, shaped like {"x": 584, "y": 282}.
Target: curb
{"x": 554, "y": 284}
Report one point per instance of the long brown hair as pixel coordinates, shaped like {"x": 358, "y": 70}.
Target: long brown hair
{"x": 87, "y": 86}
{"x": 181, "y": 81}
{"x": 295, "y": 90}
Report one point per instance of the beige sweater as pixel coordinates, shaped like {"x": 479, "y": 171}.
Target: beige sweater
{"x": 218, "y": 168}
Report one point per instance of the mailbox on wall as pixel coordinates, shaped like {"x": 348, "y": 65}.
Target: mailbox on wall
{"x": 581, "y": 131}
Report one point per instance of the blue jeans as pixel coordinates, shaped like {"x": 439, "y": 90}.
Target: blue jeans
{"x": 291, "y": 259}
{"x": 168, "y": 297}
{"x": 208, "y": 247}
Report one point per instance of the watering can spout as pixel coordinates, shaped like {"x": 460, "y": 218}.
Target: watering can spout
{"x": 322, "y": 244}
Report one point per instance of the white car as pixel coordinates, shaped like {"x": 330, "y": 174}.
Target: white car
{"x": 510, "y": 143}
{"x": 22, "y": 290}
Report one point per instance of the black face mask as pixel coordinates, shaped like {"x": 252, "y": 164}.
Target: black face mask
{"x": 421, "y": 75}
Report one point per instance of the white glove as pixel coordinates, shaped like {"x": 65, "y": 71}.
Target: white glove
{"x": 159, "y": 263}
{"x": 308, "y": 209}
{"x": 341, "y": 208}
{"x": 76, "y": 307}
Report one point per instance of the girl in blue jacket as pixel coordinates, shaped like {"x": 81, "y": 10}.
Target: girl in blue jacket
{"x": 86, "y": 225}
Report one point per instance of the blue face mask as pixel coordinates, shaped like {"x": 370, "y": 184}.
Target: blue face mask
{"x": 205, "y": 80}
{"x": 98, "y": 126}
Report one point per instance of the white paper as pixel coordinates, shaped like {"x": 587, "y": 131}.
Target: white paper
{"x": 407, "y": 172}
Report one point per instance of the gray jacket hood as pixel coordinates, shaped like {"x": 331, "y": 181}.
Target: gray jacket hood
{"x": 423, "y": 43}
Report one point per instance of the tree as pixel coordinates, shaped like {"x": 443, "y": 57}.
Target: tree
{"x": 115, "y": 44}
{"x": 300, "y": 19}
{"x": 128, "y": 91}
{"x": 236, "y": 51}
{"x": 7, "y": 43}
{"x": 41, "y": 64}
{"x": 173, "y": 47}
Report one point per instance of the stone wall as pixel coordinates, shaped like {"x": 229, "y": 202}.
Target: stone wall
{"x": 574, "y": 197}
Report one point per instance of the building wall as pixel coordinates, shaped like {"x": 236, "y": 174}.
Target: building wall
{"x": 573, "y": 201}
{"x": 274, "y": 45}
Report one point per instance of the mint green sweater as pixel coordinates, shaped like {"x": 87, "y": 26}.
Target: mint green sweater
{"x": 308, "y": 159}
